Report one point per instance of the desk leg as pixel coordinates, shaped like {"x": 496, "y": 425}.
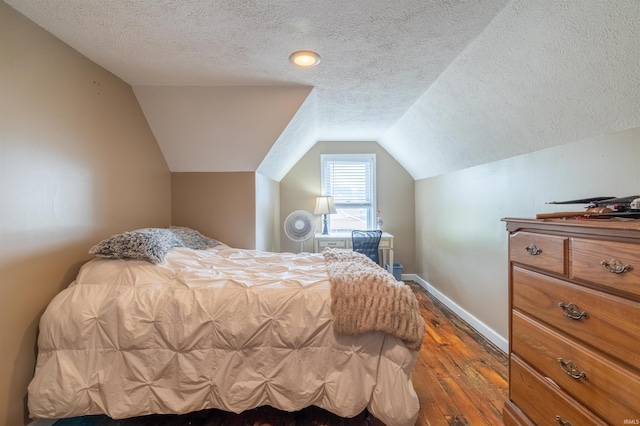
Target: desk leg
{"x": 391, "y": 261}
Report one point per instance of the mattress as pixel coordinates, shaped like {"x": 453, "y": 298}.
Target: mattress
{"x": 220, "y": 328}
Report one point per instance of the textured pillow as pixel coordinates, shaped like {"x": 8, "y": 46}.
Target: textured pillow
{"x": 150, "y": 244}
{"x": 193, "y": 239}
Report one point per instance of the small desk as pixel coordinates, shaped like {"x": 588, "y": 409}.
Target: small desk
{"x": 343, "y": 240}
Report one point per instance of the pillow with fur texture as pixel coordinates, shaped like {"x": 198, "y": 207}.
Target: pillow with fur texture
{"x": 150, "y": 244}
{"x": 193, "y": 239}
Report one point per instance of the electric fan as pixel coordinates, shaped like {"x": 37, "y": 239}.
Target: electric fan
{"x": 300, "y": 226}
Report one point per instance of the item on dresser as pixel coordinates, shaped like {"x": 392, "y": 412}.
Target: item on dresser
{"x": 599, "y": 208}
{"x": 589, "y": 212}
{"x": 591, "y": 200}
{"x": 218, "y": 328}
{"x": 574, "y": 336}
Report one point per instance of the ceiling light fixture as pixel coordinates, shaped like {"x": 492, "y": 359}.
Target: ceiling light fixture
{"x": 304, "y": 58}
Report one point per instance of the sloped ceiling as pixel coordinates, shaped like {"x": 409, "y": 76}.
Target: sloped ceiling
{"x": 202, "y": 128}
{"x": 543, "y": 73}
{"x": 442, "y": 84}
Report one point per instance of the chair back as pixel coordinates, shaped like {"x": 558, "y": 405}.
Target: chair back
{"x": 367, "y": 242}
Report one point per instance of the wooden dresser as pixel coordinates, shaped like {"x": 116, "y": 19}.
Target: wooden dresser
{"x": 574, "y": 343}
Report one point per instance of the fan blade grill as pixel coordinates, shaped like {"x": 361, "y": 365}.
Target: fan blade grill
{"x": 300, "y": 225}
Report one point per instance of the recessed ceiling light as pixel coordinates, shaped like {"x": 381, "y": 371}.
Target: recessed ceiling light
{"x": 304, "y": 58}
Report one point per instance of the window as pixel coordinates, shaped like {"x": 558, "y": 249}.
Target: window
{"x": 351, "y": 180}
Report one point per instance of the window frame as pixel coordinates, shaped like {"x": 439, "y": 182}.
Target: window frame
{"x": 370, "y": 160}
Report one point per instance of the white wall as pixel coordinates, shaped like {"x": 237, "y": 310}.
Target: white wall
{"x": 461, "y": 243}
{"x": 267, "y": 214}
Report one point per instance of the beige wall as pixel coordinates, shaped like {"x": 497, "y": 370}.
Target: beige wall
{"x": 220, "y": 205}
{"x": 78, "y": 163}
{"x": 395, "y": 195}
{"x": 267, "y": 214}
{"x": 461, "y": 245}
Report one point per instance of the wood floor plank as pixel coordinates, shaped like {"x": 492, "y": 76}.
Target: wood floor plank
{"x": 444, "y": 403}
{"x": 467, "y": 407}
{"x": 430, "y": 396}
{"x": 460, "y": 358}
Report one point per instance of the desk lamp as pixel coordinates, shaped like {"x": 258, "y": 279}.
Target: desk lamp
{"x": 325, "y": 206}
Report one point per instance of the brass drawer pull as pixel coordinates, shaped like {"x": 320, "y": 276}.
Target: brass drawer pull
{"x": 572, "y": 311}
{"x": 571, "y": 369}
{"x": 563, "y": 422}
{"x": 533, "y": 250}
{"x": 615, "y": 266}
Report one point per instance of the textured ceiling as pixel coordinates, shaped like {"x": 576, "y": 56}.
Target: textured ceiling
{"x": 441, "y": 84}
{"x": 543, "y": 73}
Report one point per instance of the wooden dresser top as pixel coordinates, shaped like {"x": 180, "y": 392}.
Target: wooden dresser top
{"x": 626, "y": 229}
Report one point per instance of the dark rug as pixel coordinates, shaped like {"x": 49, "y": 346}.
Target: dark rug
{"x": 262, "y": 416}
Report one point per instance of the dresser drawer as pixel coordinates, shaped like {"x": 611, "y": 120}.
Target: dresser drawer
{"x": 610, "y": 323}
{"x": 608, "y": 389}
{"x": 337, "y": 243}
{"x": 543, "y": 401}
{"x": 612, "y": 264}
{"x": 546, "y": 252}
{"x": 385, "y": 243}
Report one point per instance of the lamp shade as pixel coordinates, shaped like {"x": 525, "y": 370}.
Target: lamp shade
{"x": 324, "y": 205}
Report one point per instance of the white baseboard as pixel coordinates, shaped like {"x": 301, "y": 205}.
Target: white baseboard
{"x": 479, "y": 326}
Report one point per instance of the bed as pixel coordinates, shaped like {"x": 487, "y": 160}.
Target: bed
{"x": 211, "y": 326}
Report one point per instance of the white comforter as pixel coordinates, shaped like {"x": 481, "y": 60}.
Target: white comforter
{"x": 220, "y": 328}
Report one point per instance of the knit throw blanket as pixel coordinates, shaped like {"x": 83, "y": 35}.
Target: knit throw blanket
{"x": 365, "y": 297}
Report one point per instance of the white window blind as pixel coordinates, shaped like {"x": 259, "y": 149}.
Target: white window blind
{"x": 348, "y": 182}
{"x": 350, "y": 179}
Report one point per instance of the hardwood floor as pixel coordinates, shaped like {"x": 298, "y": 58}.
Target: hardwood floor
{"x": 460, "y": 379}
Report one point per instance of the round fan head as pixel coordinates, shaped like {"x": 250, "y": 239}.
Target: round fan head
{"x": 300, "y": 225}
